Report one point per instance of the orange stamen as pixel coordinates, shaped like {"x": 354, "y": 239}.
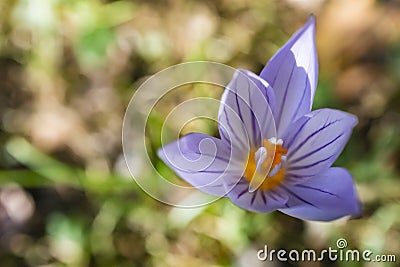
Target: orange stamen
{"x": 274, "y": 157}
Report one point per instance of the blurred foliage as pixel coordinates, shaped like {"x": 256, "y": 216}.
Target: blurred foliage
{"x": 67, "y": 71}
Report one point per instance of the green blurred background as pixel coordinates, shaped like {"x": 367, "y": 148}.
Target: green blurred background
{"x": 68, "y": 69}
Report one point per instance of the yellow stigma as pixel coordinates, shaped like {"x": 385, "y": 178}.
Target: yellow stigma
{"x": 259, "y": 175}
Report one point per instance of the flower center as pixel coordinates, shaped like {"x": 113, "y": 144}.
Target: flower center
{"x": 264, "y": 166}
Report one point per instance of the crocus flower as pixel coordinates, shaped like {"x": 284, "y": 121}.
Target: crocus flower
{"x": 274, "y": 152}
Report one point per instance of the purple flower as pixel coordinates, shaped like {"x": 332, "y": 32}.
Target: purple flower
{"x": 274, "y": 152}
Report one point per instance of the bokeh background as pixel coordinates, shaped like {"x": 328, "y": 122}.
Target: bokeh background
{"x": 68, "y": 69}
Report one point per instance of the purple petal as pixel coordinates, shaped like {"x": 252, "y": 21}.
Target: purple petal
{"x": 316, "y": 140}
{"x": 326, "y": 197}
{"x": 203, "y": 161}
{"x": 245, "y": 117}
{"x": 293, "y": 74}
{"x": 265, "y": 88}
{"x": 258, "y": 200}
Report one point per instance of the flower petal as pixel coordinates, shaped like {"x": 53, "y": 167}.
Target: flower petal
{"x": 203, "y": 161}
{"x": 315, "y": 141}
{"x": 293, "y": 74}
{"x": 326, "y": 197}
{"x": 245, "y": 115}
{"x": 258, "y": 200}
